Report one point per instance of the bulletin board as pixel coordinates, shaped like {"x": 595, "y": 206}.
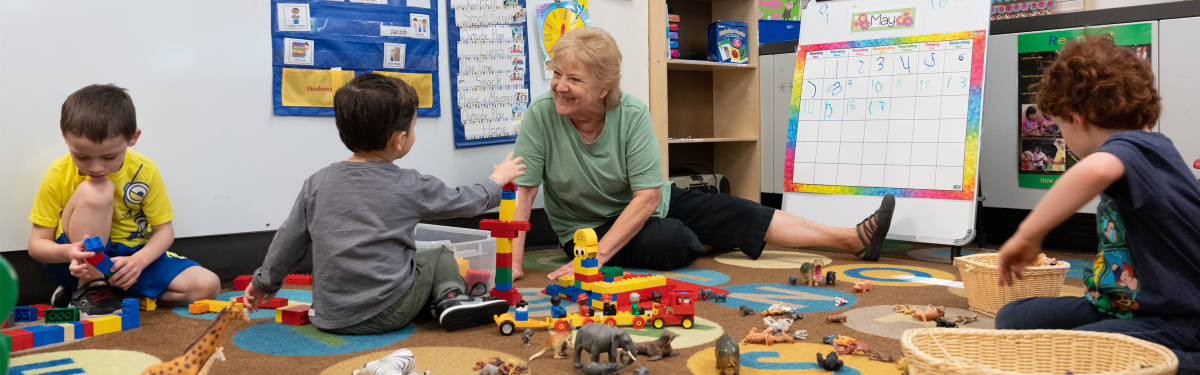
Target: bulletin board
{"x": 887, "y": 100}
{"x": 489, "y": 65}
{"x": 317, "y": 46}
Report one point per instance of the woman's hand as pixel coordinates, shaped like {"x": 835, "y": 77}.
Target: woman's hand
{"x": 566, "y": 269}
{"x": 507, "y": 171}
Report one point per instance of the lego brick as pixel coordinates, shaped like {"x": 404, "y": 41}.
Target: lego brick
{"x": 612, "y": 271}
{"x": 516, "y": 226}
{"x": 68, "y": 332}
{"x": 585, "y": 270}
{"x": 147, "y": 304}
{"x": 25, "y": 314}
{"x": 93, "y": 244}
{"x": 198, "y": 308}
{"x": 45, "y": 335}
{"x": 608, "y": 279}
{"x": 585, "y": 285}
{"x": 89, "y": 328}
{"x": 129, "y": 306}
{"x": 80, "y": 330}
{"x": 503, "y": 286}
{"x": 21, "y": 339}
{"x": 213, "y": 306}
{"x": 130, "y": 321}
{"x": 503, "y": 245}
{"x": 566, "y": 281}
{"x": 503, "y": 275}
{"x": 278, "y": 315}
{"x": 106, "y": 324}
{"x": 594, "y": 278}
{"x": 102, "y": 263}
{"x": 522, "y": 316}
{"x": 463, "y": 266}
{"x": 578, "y": 284}
{"x": 296, "y": 315}
{"x": 63, "y": 315}
{"x": 295, "y": 279}
{"x": 504, "y": 234}
{"x": 503, "y": 260}
{"x": 591, "y": 263}
{"x": 242, "y": 282}
{"x": 275, "y": 303}
{"x": 511, "y": 295}
{"x": 41, "y": 309}
{"x": 474, "y": 277}
{"x": 511, "y": 186}
{"x": 508, "y": 195}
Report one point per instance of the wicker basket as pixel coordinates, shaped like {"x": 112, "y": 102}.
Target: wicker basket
{"x": 1012, "y": 352}
{"x": 979, "y": 277}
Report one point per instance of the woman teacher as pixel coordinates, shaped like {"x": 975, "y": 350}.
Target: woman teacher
{"x": 592, "y": 148}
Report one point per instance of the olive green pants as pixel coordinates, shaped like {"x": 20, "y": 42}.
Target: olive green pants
{"x": 436, "y": 272}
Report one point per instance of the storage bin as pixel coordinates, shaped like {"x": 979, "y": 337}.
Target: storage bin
{"x": 474, "y": 245}
{"x": 1026, "y": 352}
{"x": 770, "y": 31}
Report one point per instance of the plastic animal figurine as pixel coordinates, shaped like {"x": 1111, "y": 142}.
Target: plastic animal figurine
{"x": 848, "y": 345}
{"x": 862, "y": 286}
{"x": 777, "y": 327}
{"x": 800, "y": 334}
{"x": 705, "y": 294}
{"x": 792, "y": 280}
{"x": 597, "y": 368}
{"x": 525, "y": 337}
{"x": 196, "y": 358}
{"x": 777, "y": 309}
{"x": 929, "y": 313}
{"x": 840, "y": 301}
{"x": 943, "y": 323}
{"x": 400, "y": 362}
{"x": 641, "y": 371}
{"x": 657, "y": 349}
{"x": 831, "y": 278}
{"x": 719, "y": 297}
{"x": 879, "y": 356}
{"x": 902, "y": 309}
{"x": 806, "y": 273}
{"x": 729, "y": 356}
{"x": 829, "y": 363}
{"x": 598, "y": 338}
{"x": 511, "y": 366}
{"x": 561, "y": 343}
{"x": 490, "y": 369}
{"x": 746, "y": 311}
{"x": 765, "y": 338}
{"x": 835, "y": 319}
{"x": 962, "y": 319}
{"x": 1043, "y": 261}
{"x": 829, "y": 339}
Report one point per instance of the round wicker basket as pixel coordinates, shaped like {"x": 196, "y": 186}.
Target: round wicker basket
{"x": 980, "y": 279}
{"x": 1031, "y": 352}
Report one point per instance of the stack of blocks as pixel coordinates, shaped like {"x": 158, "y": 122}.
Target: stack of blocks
{"x": 100, "y": 261}
{"x": 505, "y": 230}
{"x": 208, "y": 305}
{"x": 68, "y": 327}
{"x": 297, "y": 315}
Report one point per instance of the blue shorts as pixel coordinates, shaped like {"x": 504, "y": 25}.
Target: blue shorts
{"x": 153, "y": 280}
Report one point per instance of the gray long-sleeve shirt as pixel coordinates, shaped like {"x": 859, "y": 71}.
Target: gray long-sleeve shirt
{"x": 358, "y": 220}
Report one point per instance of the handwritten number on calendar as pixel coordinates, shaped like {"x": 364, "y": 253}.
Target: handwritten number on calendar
{"x": 904, "y": 63}
{"x": 851, "y": 105}
{"x": 878, "y": 85}
{"x": 814, "y": 90}
{"x": 825, "y": 10}
{"x": 860, "y": 66}
{"x": 828, "y": 110}
{"x": 964, "y": 81}
{"x": 880, "y": 61}
{"x": 961, "y": 56}
{"x": 932, "y": 59}
{"x": 834, "y": 89}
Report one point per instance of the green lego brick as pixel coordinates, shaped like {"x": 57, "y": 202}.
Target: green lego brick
{"x": 504, "y": 275}
{"x": 63, "y": 315}
{"x": 578, "y": 284}
{"x": 612, "y": 271}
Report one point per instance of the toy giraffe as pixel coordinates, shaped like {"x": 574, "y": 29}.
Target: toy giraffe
{"x": 196, "y": 359}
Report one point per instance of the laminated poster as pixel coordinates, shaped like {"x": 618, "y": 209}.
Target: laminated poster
{"x": 489, "y": 62}
{"x": 556, "y": 19}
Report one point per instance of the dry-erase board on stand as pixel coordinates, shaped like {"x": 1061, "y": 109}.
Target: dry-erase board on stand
{"x": 888, "y": 99}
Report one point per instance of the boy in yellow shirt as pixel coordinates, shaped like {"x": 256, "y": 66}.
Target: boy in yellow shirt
{"x": 103, "y": 189}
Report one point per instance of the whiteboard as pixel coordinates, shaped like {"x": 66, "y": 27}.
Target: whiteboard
{"x": 887, "y": 99}
{"x": 200, "y": 78}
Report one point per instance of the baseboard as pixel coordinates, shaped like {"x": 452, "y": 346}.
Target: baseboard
{"x": 1076, "y": 234}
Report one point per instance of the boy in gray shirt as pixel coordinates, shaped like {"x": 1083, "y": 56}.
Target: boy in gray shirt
{"x": 357, "y": 216}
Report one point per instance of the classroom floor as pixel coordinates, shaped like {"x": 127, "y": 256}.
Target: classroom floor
{"x": 262, "y": 346}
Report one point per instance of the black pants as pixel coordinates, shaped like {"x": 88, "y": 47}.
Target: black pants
{"x": 694, "y": 219}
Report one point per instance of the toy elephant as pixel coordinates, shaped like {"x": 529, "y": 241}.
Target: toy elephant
{"x": 597, "y": 338}
{"x": 728, "y": 355}
{"x": 719, "y": 297}
{"x": 597, "y": 368}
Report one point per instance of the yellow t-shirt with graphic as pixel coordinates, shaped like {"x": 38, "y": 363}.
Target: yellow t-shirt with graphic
{"x": 139, "y": 198}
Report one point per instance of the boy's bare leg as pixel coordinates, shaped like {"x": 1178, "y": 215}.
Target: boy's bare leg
{"x": 193, "y": 284}
{"x": 793, "y": 231}
{"x": 89, "y": 212}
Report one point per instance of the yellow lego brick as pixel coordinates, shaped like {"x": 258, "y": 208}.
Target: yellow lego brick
{"x": 585, "y": 285}
{"x": 68, "y": 331}
{"x": 463, "y": 267}
{"x": 587, "y": 270}
{"x": 566, "y": 281}
{"x": 602, "y": 287}
{"x": 656, "y": 281}
{"x": 217, "y": 306}
{"x": 106, "y": 324}
{"x": 598, "y": 304}
{"x": 148, "y": 304}
{"x": 279, "y": 315}
{"x": 508, "y": 207}
{"x": 504, "y": 246}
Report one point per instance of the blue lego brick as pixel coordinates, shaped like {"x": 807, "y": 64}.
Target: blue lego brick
{"x": 25, "y": 314}
{"x": 522, "y": 316}
{"x": 589, "y": 263}
{"x": 94, "y": 244}
{"x": 507, "y": 195}
{"x": 45, "y": 335}
{"x": 105, "y": 267}
{"x": 608, "y": 279}
{"x": 79, "y": 330}
{"x": 130, "y": 306}
{"x": 503, "y": 286}
{"x": 130, "y": 321}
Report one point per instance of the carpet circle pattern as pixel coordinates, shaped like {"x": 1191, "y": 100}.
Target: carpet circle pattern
{"x": 105, "y": 362}
{"x": 546, "y": 260}
{"x": 772, "y": 259}
{"x": 703, "y": 332}
{"x": 883, "y": 321}
{"x": 435, "y": 359}
{"x": 885, "y": 274}
{"x": 293, "y": 295}
{"x": 804, "y": 299}
{"x": 788, "y": 359}
{"x": 288, "y": 340}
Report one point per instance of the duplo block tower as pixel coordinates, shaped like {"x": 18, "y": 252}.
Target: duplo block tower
{"x": 505, "y": 230}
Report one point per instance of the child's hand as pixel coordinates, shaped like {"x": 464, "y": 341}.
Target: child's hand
{"x": 1016, "y": 253}
{"x": 508, "y": 170}
{"x": 79, "y": 256}
{"x": 126, "y": 271}
{"x": 255, "y": 297}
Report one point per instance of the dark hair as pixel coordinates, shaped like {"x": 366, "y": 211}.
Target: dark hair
{"x": 372, "y": 107}
{"x": 98, "y": 112}
{"x": 1030, "y": 110}
{"x": 1105, "y": 84}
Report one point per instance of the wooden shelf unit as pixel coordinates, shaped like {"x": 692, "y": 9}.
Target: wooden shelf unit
{"x": 712, "y": 107}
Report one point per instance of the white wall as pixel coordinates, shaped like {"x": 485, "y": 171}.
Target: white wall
{"x": 200, "y": 76}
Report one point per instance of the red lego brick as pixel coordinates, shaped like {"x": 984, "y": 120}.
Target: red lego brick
{"x": 21, "y": 339}
{"x": 474, "y": 277}
{"x": 589, "y": 278}
{"x": 511, "y": 186}
{"x": 274, "y": 304}
{"x": 42, "y": 309}
{"x": 88, "y": 328}
{"x": 503, "y": 234}
{"x": 503, "y": 260}
{"x": 511, "y": 295}
{"x": 683, "y": 284}
{"x": 296, "y": 315}
{"x": 295, "y": 279}
{"x": 242, "y": 282}
{"x": 499, "y": 225}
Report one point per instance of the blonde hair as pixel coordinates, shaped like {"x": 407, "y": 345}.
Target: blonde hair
{"x": 597, "y": 52}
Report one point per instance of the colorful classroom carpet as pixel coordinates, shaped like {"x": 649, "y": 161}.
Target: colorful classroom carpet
{"x": 908, "y": 274}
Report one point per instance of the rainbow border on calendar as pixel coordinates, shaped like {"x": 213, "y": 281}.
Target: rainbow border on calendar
{"x": 974, "y": 110}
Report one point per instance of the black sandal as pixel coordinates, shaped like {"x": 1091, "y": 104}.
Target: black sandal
{"x": 873, "y": 232}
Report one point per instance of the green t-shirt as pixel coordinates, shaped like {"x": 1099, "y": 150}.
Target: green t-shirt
{"x": 584, "y": 185}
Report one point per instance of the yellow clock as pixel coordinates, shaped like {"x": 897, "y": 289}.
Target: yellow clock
{"x": 558, "y": 22}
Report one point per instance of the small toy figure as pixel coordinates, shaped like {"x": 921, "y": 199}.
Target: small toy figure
{"x": 800, "y": 334}
{"x": 719, "y": 297}
{"x": 600, "y": 338}
{"x": 829, "y": 339}
{"x": 705, "y": 294}
{"x": 522, "y": 311}
{"x": 848, "y": 345}
{"x": 862, "y": 286}
{"x": 641, "y": 371}
{"x": 745, "y": 310}
{"x": 657, "y": 349}
{"x": 929, "y": 313}
{"x": 526, "y": 336}
{"x": 840, "y": 301}
{"x": 961, "y": 319}
{"x": 792, "y": 280}
{"x": 831, "y": 278}
{"x": 943, "y": 323}
{"x": 1043, "y": 261}
{"x": 902, "y": 309}
{"x": 777, "y": 309}
{"x": 556, "y": 311}
{"x": 806, "y": 273}
{"x": 511, "y": 366}
{"x": 765, "y": 338}
{"x": 584, "y": 309}
{"x": 729, "y": 357}
{"x": 400, "y": 362}
{"x": 610, "y": 308}
{"x": 777, "y": 327}
{"x": 560, "y": 342}
{"x": 830, "y": 362}
{"x": 597, "y": 368}
{"x": 835, "y": 319}
{"x": 635, "y": 307}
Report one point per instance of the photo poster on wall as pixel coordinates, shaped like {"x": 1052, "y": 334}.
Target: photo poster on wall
{"x": 489, "y": 66}
{"x": 556, "y": 19}
{"x": 780, "y": 10}
{"x": 1042, "y": 154}
{"x": 889, "y": 99}
{"x": 318, "y": 46}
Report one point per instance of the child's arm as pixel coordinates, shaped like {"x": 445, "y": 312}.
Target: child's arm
{"x": 439, "y": 201}
{"x": 126, "y": 270}
{"x": 1077, "y": 186}
{"x": 43, "y": 248}
{"x": 291, "y": 244}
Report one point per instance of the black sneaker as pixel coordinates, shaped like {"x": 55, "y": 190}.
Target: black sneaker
{"x": 61, "y": 297}
{"x": 96, "y": 298}
{"x": 873, "y": 230}
{"x": 456, "y": 311}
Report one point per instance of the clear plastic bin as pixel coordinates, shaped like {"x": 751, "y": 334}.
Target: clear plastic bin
{"x": 474, "y": 245}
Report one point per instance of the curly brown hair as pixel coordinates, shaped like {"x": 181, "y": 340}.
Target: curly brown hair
{"x": 1106, "y": 85}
